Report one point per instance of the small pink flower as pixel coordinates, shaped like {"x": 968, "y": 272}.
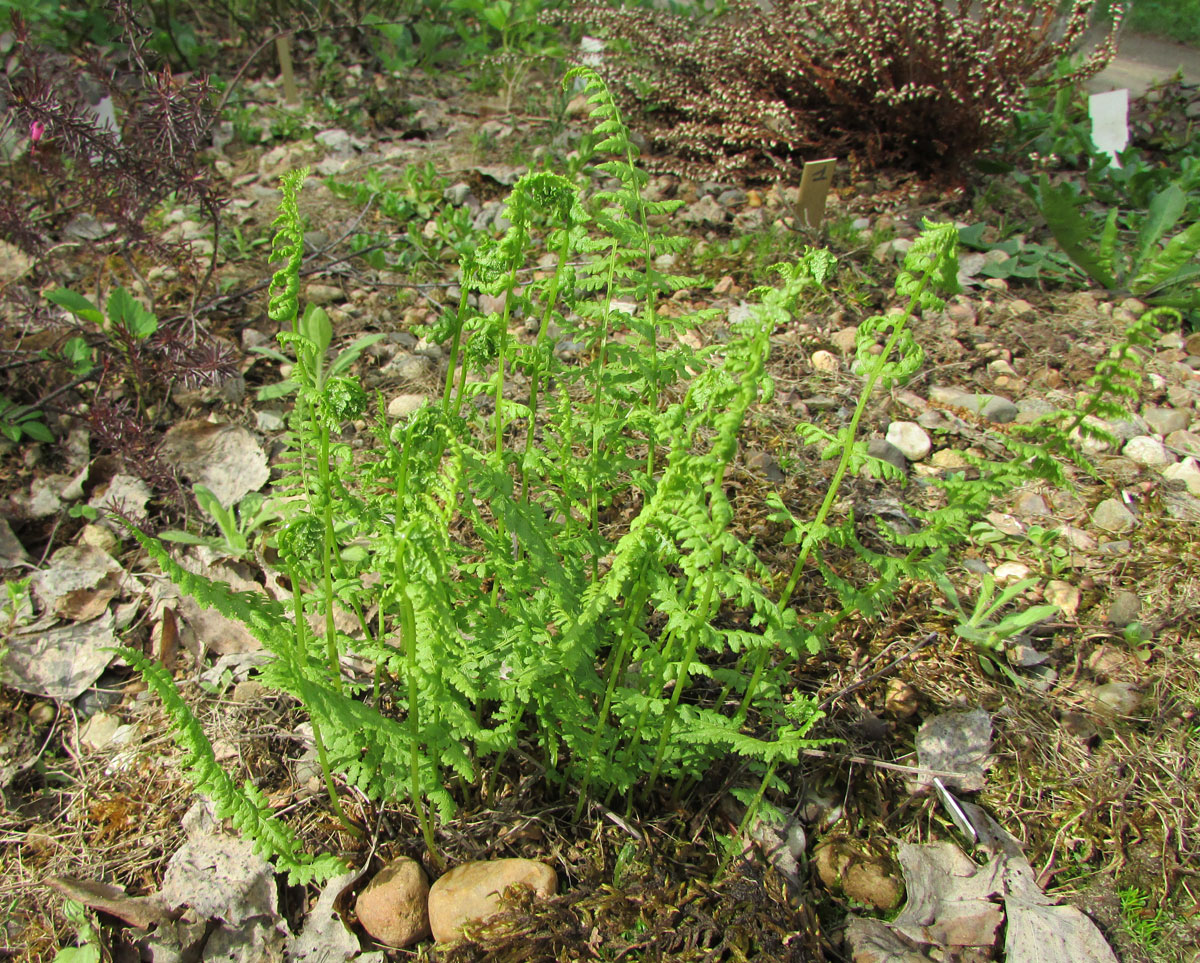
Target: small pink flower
{"x": 36, "y": 129}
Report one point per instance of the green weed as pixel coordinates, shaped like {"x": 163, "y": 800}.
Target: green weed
{"x": 1144, "y": 927}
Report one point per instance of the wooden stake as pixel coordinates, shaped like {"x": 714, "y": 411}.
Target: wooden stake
{"x": 283, "y": 46}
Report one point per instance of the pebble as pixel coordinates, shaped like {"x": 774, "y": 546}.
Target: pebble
{"x": 864, "y": 873}
{"x": 910, "y": 438}
{"x": 845, "y": 339}
{"x": 322, "y": 293}
{"x": 1163, "y": 421}
{"x": 1020, "y": 308}
{"x": 705, "y": 211}
{"x": 1129, "y": 428}
{"x": 1116, "y": 698}
{"x": 457, "y": 194}
{"x": 1147, "y": 451}
{"x": 1186, "y": 471}
{"x": 1011, "y": 572}
{"x": 1113, "y": 664}
{"x": 885, "y": 451}
{"x": 393, "y": 908}
{"x": 824, "y": 361}
{"x": 334, "y": 139}
{"x": 268, "y": 421}
{"x": 1186, "y": 442}
{"x": 471, "y": 892}
{"x": 42, "y": 714}
{"x": 901, "y": 699}
{"x": 933, "y": 419}
{"x": 763, "y": 463}
{"x": 408, "y": 367}
{"x": 998, "y": 410}
{"x": 249, "y": 690}
{"x": 994, "y": 408}
{"x": 1125, "y": 608}
{"x": 1111, "y": 515}
{"x": 1063, "y": 594}
{"x": 948, "y": 458}
{"x": 1031, "y": 503}
{"x": 404, "y": 405}
{"x": 99, "y": 730}
{"x": 1024, "y": 656}
{"x": 1008, "y": 524}
{"x": 961, "y": 312}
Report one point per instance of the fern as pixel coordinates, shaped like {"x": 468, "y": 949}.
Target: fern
{"x": 245, "y": 806}
{"x": 507, "y": 612}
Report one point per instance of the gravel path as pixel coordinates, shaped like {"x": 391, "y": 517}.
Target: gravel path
{"x": 1142, "y": 60}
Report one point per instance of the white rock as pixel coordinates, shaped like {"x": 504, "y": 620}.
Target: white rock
{"x": 1147, "y": 451}
{"x": 1011, "y": 572}
{"x": 1187, "y": 471}
{"x": 910, "y": 438}
{"x": 323, "y": 293}
{"x": 1064, "y": 595}
{"x": 824, "y": 361}
{"x": 404, "y": 405}
{"x": 334, "y": 139}
{"x": 1111, "y": 515}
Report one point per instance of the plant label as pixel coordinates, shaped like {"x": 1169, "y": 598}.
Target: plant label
{"x": 1110, "y": 122}
{"x": 814, "y": 188}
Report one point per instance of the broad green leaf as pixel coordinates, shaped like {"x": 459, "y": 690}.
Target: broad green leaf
{"x": 1108, "y": 242}
{"x": 77, "y": 304}
{"x": 497, "y": 15}
{"x": 37, "y": 430}
{"x": 130, "y": 314}
{"x": 78, "y": 354}
{"x": 281, "y": 389}
{"x": 183, "y": 538}
{"x": 272, "y": 354}
{"x": 316, "y": 326}
{"x": 1168, "y": 266}
{"x": 1166, "y": 207}
{"x": 223, "y": 516}
{"x": 351, "y": 354}
{"x": 1058, "y": 207}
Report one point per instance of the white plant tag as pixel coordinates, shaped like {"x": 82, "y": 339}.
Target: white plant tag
{"x": 1110, "y": 122}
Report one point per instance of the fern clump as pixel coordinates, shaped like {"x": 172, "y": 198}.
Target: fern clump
{"x": 499, "y": 606}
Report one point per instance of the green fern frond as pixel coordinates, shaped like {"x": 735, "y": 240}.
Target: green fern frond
{"x": 245, "y": 806}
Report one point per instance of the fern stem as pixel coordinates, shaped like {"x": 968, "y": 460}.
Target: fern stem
{"x": 535, "y": 377}
{"x": 330, "y": 788}
{"x": 456, "y": 343}
{"x": 748, "y": 817}
{"x": 615, "y": 666}
{"x": 640, "y": 727}
{"x": 597, "y": 405}
{"x": 408, "y": 639}
{"x": 681, "y": 679}
{"x": 325, "y": 482}
{"x": 835, "y": 484}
